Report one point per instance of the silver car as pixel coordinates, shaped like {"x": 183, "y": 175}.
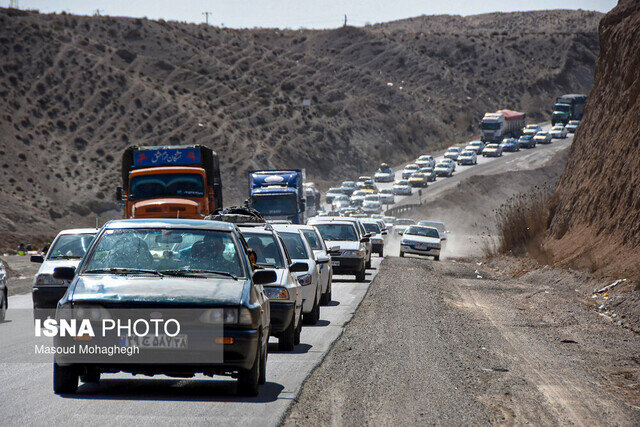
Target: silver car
{"x": 476, "y": 146}
{"x": 572, "y": 126}
{"x": 386, "y": 196}
{"x": 492, "y": 150}
{"x": 468, "y": 157}
{"x": 444, "y": 169}
{"x": 377, "y": 235}
{"x": 542, "y": 138}
{"x": 409, "y": 169}
{"x": 402, "y": 188}
{"x": 452, "y": 153}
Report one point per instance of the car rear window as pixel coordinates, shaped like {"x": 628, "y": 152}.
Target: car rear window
{"x": 313, "y": 239}
{"x": 295, "y": 246}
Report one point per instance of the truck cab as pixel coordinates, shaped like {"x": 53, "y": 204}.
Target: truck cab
{"x": 492, "y": 126}
{"x": 278, "y": 194}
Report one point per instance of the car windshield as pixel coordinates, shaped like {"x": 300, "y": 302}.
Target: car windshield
{"x": 384, "y": 170}
{"x": 313, "y": 239}
{"x": 70, "y": 246}
{"x": 266, "y": 249}
{"x": 562, "y": 107}
{"x": 294, "y": 244}
{"x": 337, "y": 232}
{"x": 386, "y": 191}
{"x": 348, "y": 184}
{"x": 371, "y": 227}
{"x": 167, "y": 185}
{"x": 152, "y": 250}
{"x": 405, "y": 222}
{"x": 275, "y": 205}
{"x": 416, "y": 230}
{"x": 453, "y": 150}
{"x": 489, "y": 126}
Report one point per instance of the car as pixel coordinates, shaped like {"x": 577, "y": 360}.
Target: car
{"x": 377, "y": 216}
{"x": 371, "y": 207}
{"x": 419, "y": 179}
{"x": 425, "y": 160}
{"x": 429, "y": 172}
{"x": 300, "y": 250}
{"x": 350, "y": 210}
{"x": 372, "y": 198}
{"x": 510, "y": 145}
{"x": 402, "y": 224}
{"x": 476, "y": 146}
{"x": 558, "y": 132}
{"x": 372, "y": 189}
{"x": 357, "y": 220}
{"x": 402, "y": 188}
{"x": 438, "y": 225}
{"x": 526, "y": 141}
{"x": 347, "y": 237}
{"x": 452, "y": 153}
{"x": 358, "y": 197}
{"x": 285, "y": 294}
{"x": 362, "y": 180}
{"x": 4, "y": 292}
{"x": 420, "y": 240}
{"x": 492, "y": 150}
{"x": 443, "y": 169}
{"x": 572, "y": 126}
{"x": 194, "y": 272}
{"x": 66, "y": 250}
{"x": 468, "y": 157}
{"x": 384, "y": 174}
{"x": 389, "y": 221}
{"x": 377, "y": 235}
{"x": 348, "y": 187}
{"x": 449, "y": 161}
{"x": 542, "y": 138}
{"x": 323, "y": 258}
{"x": 339, "y": 201}
{"x": 409, "y": 169}
{"x": 534, "y": 128}
{"x": 387, "y": 196}
{"x": 331, "y": 193}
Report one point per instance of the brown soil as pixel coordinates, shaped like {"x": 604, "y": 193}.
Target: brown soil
{"x": 597, "y": 218}
{"x": 76, "y": 90}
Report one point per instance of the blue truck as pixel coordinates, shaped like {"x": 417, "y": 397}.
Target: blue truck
{"x": 278, "y": 194}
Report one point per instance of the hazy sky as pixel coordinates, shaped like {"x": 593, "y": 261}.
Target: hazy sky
{"x": 299, "y": 13}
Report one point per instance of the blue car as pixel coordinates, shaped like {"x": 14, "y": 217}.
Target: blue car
{"x": 510, "y": 145}
{"x": 526, "y": 141}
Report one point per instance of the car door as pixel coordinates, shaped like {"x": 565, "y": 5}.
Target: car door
{"x": 261, "y": 296}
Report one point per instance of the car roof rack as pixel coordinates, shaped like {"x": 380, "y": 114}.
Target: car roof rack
{"x": 242, "y": 216}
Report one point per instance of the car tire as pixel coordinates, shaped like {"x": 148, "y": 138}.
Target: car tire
{"x": 286, "y": 339}
{"x": 360, "y": 275}
{"x": 65, "y": 379}
{"x": 436, "y": 257}
{"x": 325, "y": 299}
{"x": 296, "y": 338}
{"x": 263, "y": 366}
{"x": 401, "y": 254}
{"x": 91, "y": 376}
{"x": 248, "y": 379}
{"x": 3, "y": 306}
{"x": 313, "y": 317}
{"x": 381, "y": 253}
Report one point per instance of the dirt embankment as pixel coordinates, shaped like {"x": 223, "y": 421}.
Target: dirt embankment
{"x": 596, "y": 224}
{"x": 76, "y": 90}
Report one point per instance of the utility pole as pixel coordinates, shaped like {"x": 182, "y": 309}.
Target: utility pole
{"x": 96, "y": 12}
{"x": 14, "y": 4}
{"x": 206, "y": 17}
{"x": 345, "y": 20}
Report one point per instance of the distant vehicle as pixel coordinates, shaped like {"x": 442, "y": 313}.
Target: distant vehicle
{"x": 386, "y": 196}
{"x": 572, "y": 126}
{"x": 425, "y": 160}
{"x": 418, "y": 179}
{"x": 362, "y": 180}
{"x": 510, "y": 145}
{"x": 384, "y": 174}
{"x": 369, "y": 186}
{"x": 492, "y": 150}
{"x": 402, "y": 187}
{"x": 420, "y": 240}
{"x": 451, "y": 162}
{"x": 377, "y": 235}
{"x": 389, "y": 221}
{"x": 67, "y": 250}
{"x": 452, "y": 153}
{"x": 340, "y": 201}
{"x": 371, "y": 207}
{"x": 348, "y": 238}
{"x": 313, "y": 199}
{"x": 568, "y": 107}
{"x": 444, "y": 169}
{"x": 526, "y": 140}
{"x": 4, "y": 293}
{"x": 402, "y": 224}
{"x": 534, "y": 128}
{"x": 351, "y": 210}
{"x": 409, "y": 169}
{"x": 358, "y": 197}
{"x": 558, "y": 132}
{"x": 429, "y": 172}
{"x": 476, "y": 146}
{"x": 331, "y": 193}
{"x": 278, "y": 194}
{"x": 348, "y": 187}
{"x": 468, "y": 157}
{"x": 496, "y": 126}
{"x": 372, "y": 198}
{"x": 542, "y": 138}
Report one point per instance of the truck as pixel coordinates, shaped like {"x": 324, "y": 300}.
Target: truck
{"x": 503, "y": 123}
{"x": 278, "y": 194}
{"x": 568, "y": 107}
{"x": 170, "y": 182}
{"x": 313, "y": 199}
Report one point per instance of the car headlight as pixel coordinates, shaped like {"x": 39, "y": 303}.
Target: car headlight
{"x": 305, "y": 279}
{"x": 93, "y": 313}
{"x": 227, "y": 316}
{"x": 276, "y": 293}
{"x": 358, "y": 253}
{"x": 48, "y": 279}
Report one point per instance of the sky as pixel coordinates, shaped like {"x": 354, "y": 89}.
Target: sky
{"x": 298, "y": 13}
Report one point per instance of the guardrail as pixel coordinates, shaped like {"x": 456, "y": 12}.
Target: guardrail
{"x": 402, "y": 209}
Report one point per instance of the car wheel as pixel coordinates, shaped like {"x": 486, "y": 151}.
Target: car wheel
{"x": 248, "y": 379}
{"x": 436, "y": 257}
{"x": 325, "y": 299}
{"x": 381, "y": 253}
{"x": 263, "y": 366}
{"x": 286, "y": 340}
{"x": 360, "y": 275}
{"x": 401, "y": 254}
{"x": 296, "y": 338}
{"x": 65, "y": 379}
{"x": 92, "y": 376}
{"x": 3, "y": 306}
{"x": 313, "y": 317}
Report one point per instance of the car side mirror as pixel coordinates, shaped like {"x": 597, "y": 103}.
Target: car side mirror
{"x": 322, "y": 259}
{"x": 365, "y": 239}
{"x": 263, "y": 277}
{"x": 64, "y": 273}
{"x": 384, "y": 232}
{"x": 37, "y": 259}
{"x": 298, "y": 267}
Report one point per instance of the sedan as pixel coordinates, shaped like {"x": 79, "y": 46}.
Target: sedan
{"x": 468, "y": 157}
{"x": 372, "y": 207}
{"x": 418, "y": 179}
{"x": 402, "y": 188}
{"x": 384, "y": 174}
{"x": 452, "y": 153}
{"x": 534, "y": 128}
{"x": 572, "y": 126}
{"x": 476, "y": 146}
{"x": 362, "y": 180}
{"x": 420, "y": 240}
{"x": 426, "y": 160}
{"x": 444, "y": 169}
{"x": 526, "y": 141}
{"x": 492, "y": 150}
{"x": 386, "y": 196}
{"x": 348, "y": 187}
{"x": 430, "y": 172}
{"x": 409, "y": 169}
{"x": 358, "y": 197}
{"x": 510, "y": 145}
{"x": 542, "y": 138}
{"x": 331, "y": 193}
{"x": 559, "y": 132}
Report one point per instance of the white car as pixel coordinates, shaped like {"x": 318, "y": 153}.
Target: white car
{"x": 384, "y": 174}
{"x": 300, "y": 251}
{"x": 452, "y": 153}
{"x": 371, "y": 207}
{"x": 377, "y": 235}
{"x": 67, "y": 250}
{"x": 340, "y": 201}
{"x": 492, "y": 150}
{"x": 402, "y": 224}
{"x": 476, "y": 146}
{"x": 421, "y": 240}
{"x": 451, "y": 162}
{"x": 442, "y": 230}
{"x": 468, "y": 157}
{"x": 358, "y": 197}
{"x": 409, "y": 169}
{"x": 542, "y": 138}
{"x": 572, "y": 126}
{"x": 425, "y": 160}
{"x": 402, "y": 188}
{"x": 386, "y": 196}
{"x": 558, "y": 132}
{"x": 444, "y": 169}
{"x": 350, "y": 242}
{"x": 321, "y": 252}
{"x": 532, "y": 128}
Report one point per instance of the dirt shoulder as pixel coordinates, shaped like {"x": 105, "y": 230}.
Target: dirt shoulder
{"x": 451, "y": 343}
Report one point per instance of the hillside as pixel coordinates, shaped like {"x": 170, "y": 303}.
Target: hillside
{"x": 76, "y": 90}
{"x": 597, "y": 217}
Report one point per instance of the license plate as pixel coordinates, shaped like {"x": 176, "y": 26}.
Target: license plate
{"x": 335, "y": 263}
{"x": 179, "y": 342}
